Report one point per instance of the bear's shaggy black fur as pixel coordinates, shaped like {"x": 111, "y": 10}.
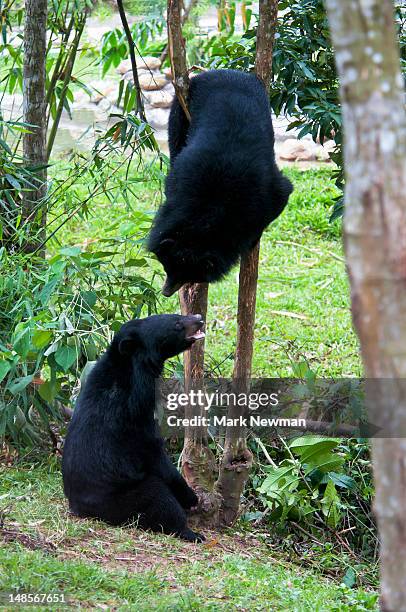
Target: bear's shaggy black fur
{"x": 224, "y": 187}
{"x": 114, "y": 464}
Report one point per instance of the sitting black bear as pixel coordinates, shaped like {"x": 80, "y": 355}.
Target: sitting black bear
{"x": 224, "y": 187}
{"x": 114, "y": 464}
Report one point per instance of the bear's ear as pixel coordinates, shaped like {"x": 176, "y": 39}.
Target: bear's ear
{"x": 166, "y": 245}
{"x": 127, "y": 346}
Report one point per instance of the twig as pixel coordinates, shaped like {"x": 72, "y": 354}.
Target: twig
{"x": 197, "y": 67}
{"x": 264, "y": 450}
{"x": 310, "y": 535}
{"x": 131, "y": 44}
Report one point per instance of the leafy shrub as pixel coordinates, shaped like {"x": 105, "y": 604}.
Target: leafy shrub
{"x": 323, "y": 488}
{"x": 56, "y": 316}
{"x": 307, "y": 482}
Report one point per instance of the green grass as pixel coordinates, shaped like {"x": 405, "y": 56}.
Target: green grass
{"x": 93, "y": 564}
{"x": 303, "y": 305}
{"x": 302, "y": 274}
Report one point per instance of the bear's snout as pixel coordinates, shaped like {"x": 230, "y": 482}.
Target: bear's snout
{"x": 170, "y": 287}
{"x": 193, "y": 327}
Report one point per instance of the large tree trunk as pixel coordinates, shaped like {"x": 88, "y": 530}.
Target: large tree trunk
{"x": 198, "y": 461}
{"x": 34, "y": 142}
{"x": 372, "y": 98}
{"x": 237, "y": 458}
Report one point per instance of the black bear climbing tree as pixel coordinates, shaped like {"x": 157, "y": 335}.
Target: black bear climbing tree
{"x": 219, "y": 499}
{"x": 198, "y": 462}
{"x": 237, "y": 458}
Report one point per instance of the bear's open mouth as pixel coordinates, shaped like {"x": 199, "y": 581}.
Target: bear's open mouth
{"x": 194, "y": 327}
{"x": 199, "y": 335}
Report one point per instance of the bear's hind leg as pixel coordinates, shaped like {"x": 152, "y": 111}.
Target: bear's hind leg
{"x": 152, "y": 505}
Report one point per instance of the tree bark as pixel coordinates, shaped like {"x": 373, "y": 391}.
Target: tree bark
{"x": 198, "y": 461}
{"x": 199, "y": 465}
{"x": 237, "y": 458}
{"x": 184, "y": 17}
{"x": 177, "y": 54}
{"x": 34, "y": 108}
{"x": 268, "y": 15}
{"x": 372, "y": 97}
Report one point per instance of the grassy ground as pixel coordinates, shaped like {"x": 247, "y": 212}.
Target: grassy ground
{"x": 302, "y": 316}
{"x": 45, "y": 550}
{"x": 303, "y": 310}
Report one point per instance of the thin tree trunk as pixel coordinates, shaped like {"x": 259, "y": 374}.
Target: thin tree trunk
{"x": 268, "y": 15}
{"x": 237, "y": 458}
{"x": 66, "y": 82}
{"x": 177, "y": 54}
{"x": 199, "y": 465}
{"x": 184, "y": 18}
{"x": 34, "y": 142}
{"x": 198, "y": 462}
{"x": 130, "y": 40}
{"x": 372, "y": 97}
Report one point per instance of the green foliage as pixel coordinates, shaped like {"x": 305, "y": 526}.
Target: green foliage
{"x": 305, "y": 482}
{"x": 14, "y": 178}
{"x": 65, "y": 25}
{"x": 114, "y": 46}
{"x": 318, "y": 494}
{"x": 56, "y": 316}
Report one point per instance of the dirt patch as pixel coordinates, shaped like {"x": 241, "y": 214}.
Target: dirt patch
{"x": 130, "y": 548}
{"x": 28, "y": 541}
{"x": 144, "y": 551}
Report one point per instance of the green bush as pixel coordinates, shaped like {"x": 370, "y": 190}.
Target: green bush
{"x": 56, "y": 316}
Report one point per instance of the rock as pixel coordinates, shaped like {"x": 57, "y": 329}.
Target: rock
{"x": 295, "y": 150}
{"x": 329, "y": 145}
{"x": 169, "y": 88}
{"x": 101, "y": 89}
{"x": 159, "y": 99}
{"x": 113, "y": 96}
{"x": 322, "y": 154}
{"x": 153, "y": 81}
{"x": 157, "y": 117}
{"x": 124, "y": 66}
{"x": 128, "y": 76}
{"x": 104, "y": 105}
{"x": 153, "y": 63}
{"x": 167, "y": 72}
